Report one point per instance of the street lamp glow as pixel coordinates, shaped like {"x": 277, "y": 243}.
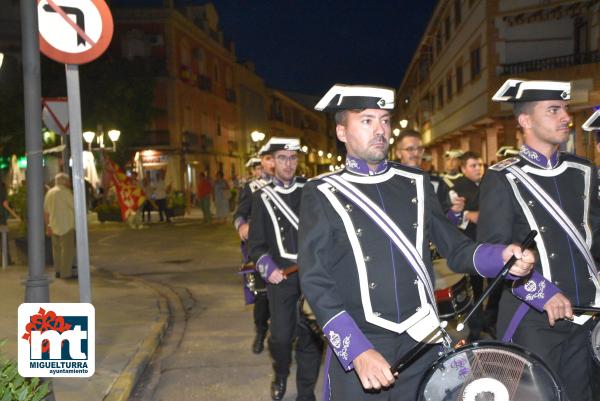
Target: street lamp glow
{"x": 1, "y": 59}
{"x": 392, "y": 141}
{"x": 257, "y": 136}
{"x": 114, "y": 135}
{"x": 396, "y": 131}
{"x": 339, "y": 158}
{"x": 305, "y": 149}
{"x": 403, "y": 123}
{"x": 89, "y": 136}
{"x": 329, "y": 155}
{"x": 320, "y": 153}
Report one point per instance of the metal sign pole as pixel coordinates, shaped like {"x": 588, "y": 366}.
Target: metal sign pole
{"x": 81, "y": 229}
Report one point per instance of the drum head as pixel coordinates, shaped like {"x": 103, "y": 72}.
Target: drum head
{"x": 490, "y": 371}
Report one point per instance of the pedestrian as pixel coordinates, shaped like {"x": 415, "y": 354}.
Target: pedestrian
{"x": 262, "y": 170}
{"x": 554, "y": 193}
{"x": 221, "y": 193}
{"x": 273, "y": 244}
{"x": 5, "y": 210}
{"x": 147, "y": 206}
{"x": 60, "y": 224}
{"x": 160, "y": 195}
{"x": 204, "y": 193}
{"x": 364, "y": 258}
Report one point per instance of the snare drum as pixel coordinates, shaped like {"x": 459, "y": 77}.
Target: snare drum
{"x": 490, "y": 371}
{"x": 307, "y": 317}
{"x": 453, "y": 293}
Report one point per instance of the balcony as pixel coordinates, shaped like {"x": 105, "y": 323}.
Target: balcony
{"x": 551, "y": 63}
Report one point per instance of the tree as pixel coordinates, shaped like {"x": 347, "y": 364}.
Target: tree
{"x": 115, "y": 93}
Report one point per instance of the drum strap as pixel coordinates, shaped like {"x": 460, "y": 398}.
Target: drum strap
{"x": 387, "y": 225}
{"x": 561, "y": 218}
{"x": 515, "y": 321}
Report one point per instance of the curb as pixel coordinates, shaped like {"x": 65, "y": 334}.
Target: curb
{"x": 125, "y": 382}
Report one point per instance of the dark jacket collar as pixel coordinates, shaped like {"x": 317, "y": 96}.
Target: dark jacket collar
{"x": 535, "y": 157}
{"x": 360, "y": 166}
{"x": 278, "y": 183}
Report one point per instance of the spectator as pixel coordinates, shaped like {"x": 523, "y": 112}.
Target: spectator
{"x": 160, "y": 194}
{"x": 221, "y": 195}
{"x": 147, "y": 207}
{"x": 204, "y": 192}
{"x": 60, "y": 225}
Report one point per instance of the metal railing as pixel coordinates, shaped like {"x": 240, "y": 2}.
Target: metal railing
{"x": 551, "y": 63}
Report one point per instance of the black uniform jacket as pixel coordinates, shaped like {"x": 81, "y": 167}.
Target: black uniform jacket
{"x": 470, "y": 191}
{"x": 356, "y": 280}
{"x": 273, "y": 235}
{"x": 244, "y": 208}
{"x": 508, "y": 211}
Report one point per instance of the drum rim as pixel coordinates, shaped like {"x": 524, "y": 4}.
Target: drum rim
{"x": 595, "y": 356}
{"x": 493, "y": 344}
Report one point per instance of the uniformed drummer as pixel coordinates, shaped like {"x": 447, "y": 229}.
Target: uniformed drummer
{"x": 554, "y": 193}
{"x": 273, "y": 244}
{"x": 364, "y": 257}
{"x": 452, "y": 166}
{"x": 409, "y": 150}
{"x": 262, "y": 170}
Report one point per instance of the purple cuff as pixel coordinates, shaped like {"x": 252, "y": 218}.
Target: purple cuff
{"x": 487, "y": 259}
{"x": 345, "y": 339}
{"x": 265, "y": 266}
{"x": 535, "y": 290}
{"x": 455, "y": 218}
{"x": 238, "y": 222}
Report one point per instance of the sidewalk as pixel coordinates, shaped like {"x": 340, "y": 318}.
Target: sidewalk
{"x": 131, "y": 319}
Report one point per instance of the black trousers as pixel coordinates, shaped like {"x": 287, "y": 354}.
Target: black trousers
{"x": 346, "y": 386}
{"x": 563, "y": 347}
{"x": 261, "y": 312}
{"x": 283, "y": 305}
{"x": 162, "y": 209}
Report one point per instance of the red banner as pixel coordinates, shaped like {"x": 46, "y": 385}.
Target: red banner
{"x": 129, "y": 193}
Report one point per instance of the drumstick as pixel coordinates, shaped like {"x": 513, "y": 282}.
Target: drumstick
{"x": 499, "y": 278}
{"x": 416, "y": 349}
{"x": 584, "y": 308}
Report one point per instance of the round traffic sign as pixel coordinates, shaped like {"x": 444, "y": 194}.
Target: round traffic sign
{"x": 74, "y": 31}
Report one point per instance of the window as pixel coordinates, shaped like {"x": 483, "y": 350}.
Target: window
{"x": 459, "y": 78}
{"x": 447, "y": 29}
{"x": 440, "y": 96}
{"x": 438, "y": 43}
{"x": 218, "y": 125}
{"x": 449, "y": 87}
{"x": 457, "y": 13}
{"x": 475, "y": 62}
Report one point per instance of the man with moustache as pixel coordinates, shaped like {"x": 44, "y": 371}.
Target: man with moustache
{"x": 555, "y": 194}
{"x": 409, "y": 150}
{"x": 273, "y": 245}
{"x": 262, "y": 170}
{"x": 365, "y": 267}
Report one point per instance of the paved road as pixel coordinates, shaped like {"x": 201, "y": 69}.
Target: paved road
{"x": 206, "y": 352}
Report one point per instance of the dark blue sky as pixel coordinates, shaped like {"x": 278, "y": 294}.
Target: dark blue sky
{"x": 308, "y": 45}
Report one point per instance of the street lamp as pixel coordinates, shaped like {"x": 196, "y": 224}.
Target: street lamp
{"x": 403, "y": 123}
{"x": 256, "y": 137}
{"x": 113, "y": 134}
{"x": 396, "y": 131}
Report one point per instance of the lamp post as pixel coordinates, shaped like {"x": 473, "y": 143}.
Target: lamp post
{"x": 113, "y": 134}
{"x": 257, "y": 137}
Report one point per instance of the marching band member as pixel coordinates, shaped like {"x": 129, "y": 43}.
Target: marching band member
{"x": 555, "y": 194}
{"x": 365, "y": 266}
{"x": 273, "y": 245}
{"x": 262, "y": 169}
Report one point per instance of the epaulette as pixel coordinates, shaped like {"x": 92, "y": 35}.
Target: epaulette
{"x": 323, "y": 175}
{"x": 449, "y": 179}
{"x": 574, "y": 158}
{"x": 505, "y": 163}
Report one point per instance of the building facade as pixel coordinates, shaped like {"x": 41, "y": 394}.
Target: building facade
{"x": 470, "y": 47}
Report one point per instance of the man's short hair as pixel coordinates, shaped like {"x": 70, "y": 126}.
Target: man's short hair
{"x": 522, "y": 108}
{"x": 341, "y": 117}
{"x": 61, "y": 179}
{"x": 408, "y": 133}
{"x": 467, "y": 156}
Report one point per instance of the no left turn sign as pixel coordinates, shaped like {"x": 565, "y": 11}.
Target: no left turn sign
{"x": 74, "y": 31}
